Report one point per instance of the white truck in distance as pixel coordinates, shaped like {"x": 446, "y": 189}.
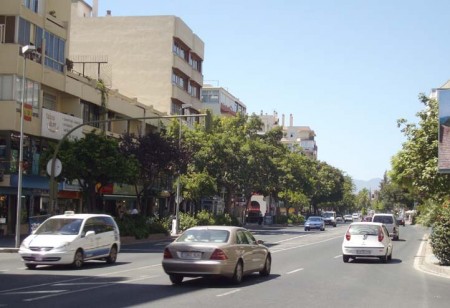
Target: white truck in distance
{"x": 329, "y": 217}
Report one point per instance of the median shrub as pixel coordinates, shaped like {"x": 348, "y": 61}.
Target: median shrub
{"x": 440, "y": 235}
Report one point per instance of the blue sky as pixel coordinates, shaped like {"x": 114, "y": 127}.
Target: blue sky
{"x": 348, "y": 69}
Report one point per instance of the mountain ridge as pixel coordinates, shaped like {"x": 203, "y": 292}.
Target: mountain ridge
{"x": 371, "y": 185}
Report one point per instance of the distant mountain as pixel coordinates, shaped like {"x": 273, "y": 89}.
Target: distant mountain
{"x": 373, "y": 184}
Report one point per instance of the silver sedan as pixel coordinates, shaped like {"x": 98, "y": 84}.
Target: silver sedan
{"x": 231, "y": 252}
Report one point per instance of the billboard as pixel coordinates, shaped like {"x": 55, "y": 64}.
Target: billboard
{"x": 443, "y": 98}
{"x": 55, "y": 125}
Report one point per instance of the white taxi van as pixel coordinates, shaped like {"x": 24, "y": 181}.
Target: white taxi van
{"x": 72, "y": 239}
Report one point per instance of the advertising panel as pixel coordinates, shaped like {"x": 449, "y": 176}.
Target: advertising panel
{"x": 443, "y": 98}
{"x": 56, "y": 124}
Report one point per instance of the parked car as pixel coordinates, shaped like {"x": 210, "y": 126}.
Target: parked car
{"x": 339, "y": 219}
{"x": 355, "y": 217}
{"x": 315, "y": 222}
{"x": 72, "y": 239}
{"x": 367, "y": 239}
{"x": 348, "y": 217}
{"x": 390, "y": 222}
{"x": 231, "y": 252}
{"x": 401, "y": 221}
{"x": 254, "y": 217}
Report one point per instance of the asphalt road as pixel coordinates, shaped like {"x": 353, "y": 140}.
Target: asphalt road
{"x": 307, "y": 271}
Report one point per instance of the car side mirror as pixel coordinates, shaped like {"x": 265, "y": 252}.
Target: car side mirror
{"x": 260, "y": 242}
{"x": 90, "y": 233}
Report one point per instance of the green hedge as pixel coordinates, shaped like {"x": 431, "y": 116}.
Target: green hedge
{"x": 440, "y": 235}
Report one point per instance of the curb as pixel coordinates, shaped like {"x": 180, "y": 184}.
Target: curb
{"x": 427, "y": 262}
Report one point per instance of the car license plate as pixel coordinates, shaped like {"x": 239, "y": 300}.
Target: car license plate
{"x": 193, "y": 255}
{"x": 363, "y": 252}
{"x": 37, "y": 257}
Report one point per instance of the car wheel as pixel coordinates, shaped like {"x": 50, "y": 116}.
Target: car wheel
{"x": 322, "y": 229}
{"x": 267, "y": 265}
{"x": 78, "y": 259}
{"x": 345, "y": 258}
{"x": 30, "y": 266}
{"x": 176, "y": 279}
{"x": 111, "y": 259}
{"x": 390, "y": 256}
{"x": 384, "y": 258}
{"x": 238, "y": 273}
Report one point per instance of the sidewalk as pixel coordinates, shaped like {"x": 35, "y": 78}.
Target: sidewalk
{"x": 427, "y": 262}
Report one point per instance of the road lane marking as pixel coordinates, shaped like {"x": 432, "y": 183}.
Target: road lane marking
{"x": 228, "y": 293}
{"x": 339, "y": 256}
{"x": 294, "y": 271}
{"x": 79, "y": 278}
{"x": 88, "y": 289}
{"x": 290, "y": 239}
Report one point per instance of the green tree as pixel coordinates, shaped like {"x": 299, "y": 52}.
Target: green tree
{"x": 94, "y": 161}
{"x": 362, "y": 200}
{"x": 414, "y": 167}
{"x": 328, "y": 186}
{"x": 159, "y": 157}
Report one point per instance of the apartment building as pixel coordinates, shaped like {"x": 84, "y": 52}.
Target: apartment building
{"x": 55, "y": 101}
{"x": 157, "y": 59}
{"x": 293, "y": 136}
{"x": 221, "y": 102}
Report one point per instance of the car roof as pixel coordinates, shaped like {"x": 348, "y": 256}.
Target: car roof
{"x": 79, "y": 216}
{"x": 228, "y": 228}
{"x": 366, "y": 223}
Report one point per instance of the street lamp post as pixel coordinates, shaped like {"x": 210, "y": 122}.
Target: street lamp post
{"x": 25, "y": 50}
{"x": 178, "y": 193}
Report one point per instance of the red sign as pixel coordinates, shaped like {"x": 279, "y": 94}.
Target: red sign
{"x": 27, "y": 112}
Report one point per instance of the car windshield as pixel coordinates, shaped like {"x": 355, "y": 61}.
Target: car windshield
{"x": 210, "y": 236}
{"x": 314, "y": 219}
{"x": 363, "y": 230}
{"x": 383, "y": 219}
{"x": 63, "y": 226}
{"x": 328, "y": 214}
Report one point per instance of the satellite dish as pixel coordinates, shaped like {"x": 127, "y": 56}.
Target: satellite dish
{"x": 58, "y": 167}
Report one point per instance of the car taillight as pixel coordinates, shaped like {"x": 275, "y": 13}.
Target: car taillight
{"x": 347, "y": 235}
{"x": 380, "y": 235}
{"x": 218, "y": 254}
{"x": 167, "y": 254}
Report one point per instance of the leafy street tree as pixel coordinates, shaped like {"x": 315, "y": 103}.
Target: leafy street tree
{"x": 362, "y": 200}
{"x": 94, "y": 161}
{"x": 159, "y": 158}
{"x": 414, "y": 167}
{"x": 328, "y": 186}
{"x": 392, "y": 197}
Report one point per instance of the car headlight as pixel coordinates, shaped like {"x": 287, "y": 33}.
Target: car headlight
{"x": 62, "y": 246}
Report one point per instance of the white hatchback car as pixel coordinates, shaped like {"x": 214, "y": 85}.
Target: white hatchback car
{"x": 72, "y": 239}
{"x": 367, "y": 239}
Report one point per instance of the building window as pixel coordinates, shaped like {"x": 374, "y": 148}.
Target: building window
{"x": 180, "y": 50}
{"x": 30, "y": 34}
{"x": 6, "y": 87}
{"x": 195, "y": 62}
{"x": 31, "y": 95}
{"x": 210, "y": 96}
{"x": 7, "y": 29}
{"x": 194, "y": 90}
{"x": 49, "y": 101}
{"x": 179, "y": 80}
{"x": 31, "y": 4}
{"x": 91, "y": 112}
{"x": 54, "y": 52}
